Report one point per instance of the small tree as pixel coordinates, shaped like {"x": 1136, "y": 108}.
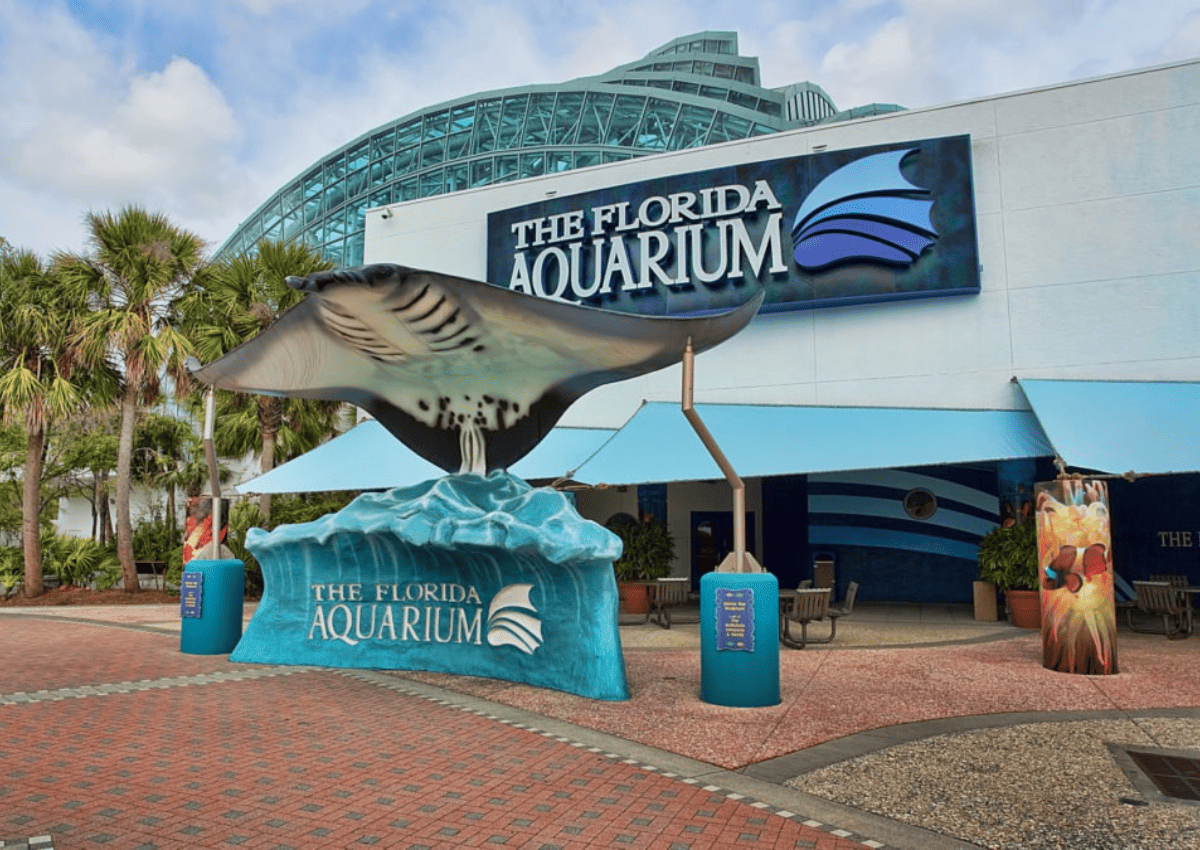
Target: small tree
{"x": 38, "y": 347}
{"x": 238, "y": 299}
{"x": 139, "y": 267}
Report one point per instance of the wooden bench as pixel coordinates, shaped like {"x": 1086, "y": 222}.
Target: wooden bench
{"x": 807, "y": 604}
{"x": 846, "y": 608}
{"x": 1160, "y": 598}
{"x": 665, "y": 594}
{"x": 156, "y": 569}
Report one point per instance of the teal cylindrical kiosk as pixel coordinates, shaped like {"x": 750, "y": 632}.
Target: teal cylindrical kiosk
{"x": 211, "y": 599}
{"x": 739, "y": 639}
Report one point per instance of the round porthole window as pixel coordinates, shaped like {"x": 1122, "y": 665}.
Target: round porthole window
{"x": 920, "y": 503}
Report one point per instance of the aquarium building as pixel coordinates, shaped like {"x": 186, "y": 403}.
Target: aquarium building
{"x": 960, "y": 300}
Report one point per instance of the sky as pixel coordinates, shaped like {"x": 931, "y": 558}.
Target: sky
{"x": 201, "y": 109}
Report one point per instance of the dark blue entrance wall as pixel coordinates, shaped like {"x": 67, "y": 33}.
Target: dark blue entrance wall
{"x": 785, "y": 528}
{"x": 1155, "y": 527}
{"x": 893, "y": 575}
{"x": 905, "y": 535}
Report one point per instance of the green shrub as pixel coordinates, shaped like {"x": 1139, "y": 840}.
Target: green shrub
{"x": 12, "y": 569}
{"x": 153, "y": 541}
{"x": 80, "y": 562}
{"x": 1008, "y": 557}
{"x": 648, "y": 550}
{"x": 173, "y": 577}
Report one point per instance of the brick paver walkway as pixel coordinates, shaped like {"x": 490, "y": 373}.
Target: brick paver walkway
{"x": 110, "y": 737}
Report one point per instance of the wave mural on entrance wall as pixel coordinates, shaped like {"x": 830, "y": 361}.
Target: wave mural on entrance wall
{"x": 903, "y": 534}
{"x": 868, "y": 509}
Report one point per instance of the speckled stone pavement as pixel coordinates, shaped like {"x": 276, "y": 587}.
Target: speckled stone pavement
{"x": 109, "y": 736}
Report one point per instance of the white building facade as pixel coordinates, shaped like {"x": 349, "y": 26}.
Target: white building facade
{"x": 1063, "y": 247}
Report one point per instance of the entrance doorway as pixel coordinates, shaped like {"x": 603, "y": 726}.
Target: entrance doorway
{"x": 712, "y": 540}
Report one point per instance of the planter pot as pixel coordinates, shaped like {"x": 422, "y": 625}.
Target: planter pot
{"x": 635, "y": 597}
{"x": 985, "y": 601}
{"x": 1024, "y": 608}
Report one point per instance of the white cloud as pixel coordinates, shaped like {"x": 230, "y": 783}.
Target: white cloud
{"x": 170, "y": 130}
{"x": 100, "y": 113}
{"x": 89, "y": 133}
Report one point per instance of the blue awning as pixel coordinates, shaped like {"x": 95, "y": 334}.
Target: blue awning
{"x": 367, "y": 457}
{"x": 658, "y": 444}
{"x": 1119, "y": 427}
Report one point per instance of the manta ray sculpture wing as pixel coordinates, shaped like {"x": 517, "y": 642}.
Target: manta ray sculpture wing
{"x": 467, "y": 375}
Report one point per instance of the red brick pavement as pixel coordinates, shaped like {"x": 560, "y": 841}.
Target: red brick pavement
{"x": 40, "y": 654}
{"x": 313, "y": 759}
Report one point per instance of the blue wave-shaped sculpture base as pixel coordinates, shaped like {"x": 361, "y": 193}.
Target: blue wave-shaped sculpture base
{"x": 463, "y": 574}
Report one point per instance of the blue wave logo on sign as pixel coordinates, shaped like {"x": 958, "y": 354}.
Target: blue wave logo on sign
{"x": 864, "y": 212}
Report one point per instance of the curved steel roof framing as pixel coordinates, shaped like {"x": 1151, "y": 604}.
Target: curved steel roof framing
{"x": 694, "y": 91}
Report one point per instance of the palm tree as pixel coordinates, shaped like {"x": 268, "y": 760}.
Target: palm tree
{"x": 162, "y": 446}
{"x": 37, "y": 386}
{"x": 139, "y": 267}
{"x": 238, "y": 299}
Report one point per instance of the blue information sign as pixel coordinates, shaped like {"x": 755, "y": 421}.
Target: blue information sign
{"x": 735, "y": 619}
{"x": 191, "y": 594}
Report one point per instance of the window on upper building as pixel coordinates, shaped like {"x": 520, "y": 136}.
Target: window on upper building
{"x": 626, "y": 116}
{"x": 539, "y": 120}
{"x": 726, "y": 128}
{"x": 481, "y": 172}
{"x": 507, "y": 167}
{"x": 408, "y": 134}
{"x": 487, "y": 125}
{"x": 691, "y": 128}
{"x": 657, "y": 124}
{"x": 358, "y": 156}
{"x": 383, "y": 145}
{"x": 512, "y": 122}
{"x": 462, "y": 118}
{"x": 594, "y": 120}
{"x": 434, "y": 125}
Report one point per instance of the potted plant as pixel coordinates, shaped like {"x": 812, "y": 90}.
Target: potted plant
{"x": 1008, "y": 559}
{"x": 647, "y": 553}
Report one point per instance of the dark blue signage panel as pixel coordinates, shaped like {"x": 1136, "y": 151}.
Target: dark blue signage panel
{"x": 191, "y": 594}
{"x": 866, "y": 224}
{"x": 735, "y": 619}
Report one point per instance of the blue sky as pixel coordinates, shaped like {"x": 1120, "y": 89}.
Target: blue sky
{"x": 202, "y": 108}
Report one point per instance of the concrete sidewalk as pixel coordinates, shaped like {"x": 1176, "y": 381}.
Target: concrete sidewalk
{"x": 113, "y": 737}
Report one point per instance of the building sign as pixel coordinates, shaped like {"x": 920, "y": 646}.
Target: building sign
{"x": 735, "y": 619}
{"x": 424, "y": 612}
{"x": 866, "y": 224}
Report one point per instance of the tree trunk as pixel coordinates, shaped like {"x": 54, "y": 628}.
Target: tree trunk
{"x": 171, "y": 512}
{"x": 124, "y": 486}
{"x": 30, "y": 505}
{"x": 266, "y": 464}
{"x": 106, "y": 526}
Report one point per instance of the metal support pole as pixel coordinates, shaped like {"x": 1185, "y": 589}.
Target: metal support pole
{"x": 214, "y": 477}
{"x": 741, "y": 563}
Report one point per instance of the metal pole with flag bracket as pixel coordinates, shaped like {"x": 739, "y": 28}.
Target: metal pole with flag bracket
{"x": 739, "y": 600}
{"x": 212, "y": 595}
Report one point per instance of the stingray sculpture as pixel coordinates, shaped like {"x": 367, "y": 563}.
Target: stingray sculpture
{"x": 469, "y": 376}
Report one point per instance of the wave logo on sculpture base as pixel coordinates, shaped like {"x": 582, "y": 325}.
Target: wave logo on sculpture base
{"x": 510, "y": 622}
